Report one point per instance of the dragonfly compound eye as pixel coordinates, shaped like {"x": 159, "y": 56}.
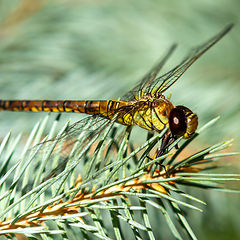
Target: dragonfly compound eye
{"x": 182, "y": 122}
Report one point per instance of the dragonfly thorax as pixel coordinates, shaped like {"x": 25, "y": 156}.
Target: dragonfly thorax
{"x": 152, "y": 114}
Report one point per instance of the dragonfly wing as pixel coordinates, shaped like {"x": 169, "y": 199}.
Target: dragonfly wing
{"x": 90, "y": 126}
{"x": 138, "y": 91}
{"x": 161, "y": 84}
{"x": 79, "y": 133}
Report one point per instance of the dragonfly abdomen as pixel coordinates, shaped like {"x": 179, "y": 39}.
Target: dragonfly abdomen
{"x": 105, "y": 108}
{"x": 38, "y": 106}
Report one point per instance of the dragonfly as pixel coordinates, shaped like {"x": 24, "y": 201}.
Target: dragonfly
{"x": 145, "y": 105}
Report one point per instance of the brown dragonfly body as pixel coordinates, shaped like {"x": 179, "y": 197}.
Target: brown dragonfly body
{"x": 145, "y": 105}
{"x": 156, "y": 112}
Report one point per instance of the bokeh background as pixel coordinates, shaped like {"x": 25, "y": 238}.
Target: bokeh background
{"x": 100, "y": 49}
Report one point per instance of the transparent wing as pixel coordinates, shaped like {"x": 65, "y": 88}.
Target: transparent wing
{"x": 139, "y": 90}
{"x": 90, "y": 125}
{"x": 72, "y": 141}
{"x": 161, "y": 84}
{"x": 150, "y": 85}
{"x": 81, "y": 131}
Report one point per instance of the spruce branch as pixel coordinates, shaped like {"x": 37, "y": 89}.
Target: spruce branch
{"x": 113, "y": 187}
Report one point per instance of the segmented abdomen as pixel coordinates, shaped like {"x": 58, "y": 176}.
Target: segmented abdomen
{"x": 104, "y": 108}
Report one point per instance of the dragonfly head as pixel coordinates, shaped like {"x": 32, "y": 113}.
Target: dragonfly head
{"x": 182, "y": 122}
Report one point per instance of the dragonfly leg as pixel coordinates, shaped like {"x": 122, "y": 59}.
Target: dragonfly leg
{"x": 160, "y": 165}
{"x": 166, "y": 142}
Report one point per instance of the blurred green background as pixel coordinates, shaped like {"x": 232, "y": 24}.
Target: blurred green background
{"x": 100, "y": 49}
